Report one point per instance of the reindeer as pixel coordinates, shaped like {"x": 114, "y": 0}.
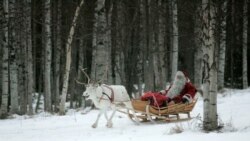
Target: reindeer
{"x": 105, "y": 97}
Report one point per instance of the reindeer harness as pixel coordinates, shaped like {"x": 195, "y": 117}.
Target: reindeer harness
{"x": 111, "y": 98}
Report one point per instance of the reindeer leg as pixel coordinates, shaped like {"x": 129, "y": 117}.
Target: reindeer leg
{"x": 109, "y": 123}
{"x": 106, "y": 116}
{"x": 98, "y": 117}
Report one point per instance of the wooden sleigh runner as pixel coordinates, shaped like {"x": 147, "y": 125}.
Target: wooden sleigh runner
{"x": 172, "y": 113}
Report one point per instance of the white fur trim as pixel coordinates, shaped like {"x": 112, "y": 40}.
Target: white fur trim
{"x": 188, "y": 97}
{"x": 163, "y": 92}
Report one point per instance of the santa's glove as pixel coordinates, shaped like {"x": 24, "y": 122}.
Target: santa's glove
{"x": 187, "y": 98}
{"x": 163, "y": 92}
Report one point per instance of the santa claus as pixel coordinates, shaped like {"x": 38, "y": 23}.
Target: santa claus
{"x": 182, "y": 90}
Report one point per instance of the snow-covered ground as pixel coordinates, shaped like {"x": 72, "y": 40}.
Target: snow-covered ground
{"x": 233, "y": 111}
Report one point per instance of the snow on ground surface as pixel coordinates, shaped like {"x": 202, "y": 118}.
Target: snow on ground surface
{"x": 233, "y": 111}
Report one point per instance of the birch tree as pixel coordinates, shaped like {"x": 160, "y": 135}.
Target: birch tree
{"x": 5, "y": 65}
{"x": 209, "y": 67}
{"x": 244, "y": 51}
{"x": 68, "y": 59}
{"x": 101, "y": 44}
{"x": 175, "y": 41}
{"x": 47, "y": 69}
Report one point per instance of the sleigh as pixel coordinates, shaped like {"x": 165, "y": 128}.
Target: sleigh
{"x": 172, "y": 113}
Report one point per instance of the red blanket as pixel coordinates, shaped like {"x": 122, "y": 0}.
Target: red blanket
{"x": 155, "y": 98}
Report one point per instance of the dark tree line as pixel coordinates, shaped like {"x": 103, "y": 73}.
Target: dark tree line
{"x": 139, "y": 42}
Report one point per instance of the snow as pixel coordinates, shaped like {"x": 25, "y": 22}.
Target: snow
{"x": 233, "y": 112}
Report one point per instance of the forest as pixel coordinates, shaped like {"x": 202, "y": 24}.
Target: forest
{"x": 141, "y": 44}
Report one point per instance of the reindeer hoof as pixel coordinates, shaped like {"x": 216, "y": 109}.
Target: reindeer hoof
{"x": 109, "y": 125}
{"x": 94, "y": 126}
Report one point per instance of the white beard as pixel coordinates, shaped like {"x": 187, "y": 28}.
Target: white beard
{"x": 176, "y": 88}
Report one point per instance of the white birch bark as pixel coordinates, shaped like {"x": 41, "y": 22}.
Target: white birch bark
{"x": 48, "y": 55}
{"x": 210, "y": 79}
{"x": 222, "y": 47}
{"x": 5, "y": 65}
{"x": 13, "y": 59}
{"x": 101, "y": 45}
{"x": 175, "y": 39}
{"x": 244, "y": 51}
{"x": 68, "y": 60}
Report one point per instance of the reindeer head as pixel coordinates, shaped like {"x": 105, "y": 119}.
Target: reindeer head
{"x": 91, "y": 89}
{"x": 91, "y": 86}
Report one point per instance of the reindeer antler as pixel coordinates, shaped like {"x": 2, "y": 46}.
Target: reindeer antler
{"x": 80, "y": 82}
{"x": 85, "y": 75}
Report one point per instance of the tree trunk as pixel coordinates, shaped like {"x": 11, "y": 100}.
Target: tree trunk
{"x": 142, "y": 46}
{"x": 198, "y": 48}
{"x": 148, "y": 57}
{"x": 162, "y": 50}
{"x": 5, "y": 63}
{"x": 244, "y": 51}
{"x": 1, "y": 62}
{"x": 68, "y": 60}
{"x": 175, "y": 40}
{"x": 48, "y": 55}
{"x": 154, "y": 24}
{"x": 58, "y": 45}
{"x": 101, "y": 44}
{"x": 22, "y": 79}
{"x": 13, "y": 58}
{"x": 30, "y": 77}
{"x": 115, "y": 45}
{"x": 210, "y": 122}
{"x": 222, "y": 47}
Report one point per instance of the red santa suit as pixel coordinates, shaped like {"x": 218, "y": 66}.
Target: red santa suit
{"x": 182, "y": 90}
